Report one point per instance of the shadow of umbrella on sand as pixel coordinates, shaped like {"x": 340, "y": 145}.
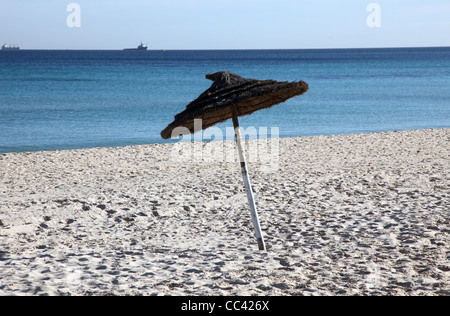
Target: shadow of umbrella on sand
{"x": 231, "y": 96}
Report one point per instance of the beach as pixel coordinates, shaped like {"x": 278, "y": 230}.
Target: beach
{"x": 361, "y": 214}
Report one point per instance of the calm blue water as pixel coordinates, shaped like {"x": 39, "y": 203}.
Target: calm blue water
{"x": 78, "y": 99}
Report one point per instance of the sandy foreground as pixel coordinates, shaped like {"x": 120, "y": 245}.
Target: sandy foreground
{"x": 341, "y": 215}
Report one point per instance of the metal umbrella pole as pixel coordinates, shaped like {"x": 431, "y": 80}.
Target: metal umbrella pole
{"x": 248, "y": 186}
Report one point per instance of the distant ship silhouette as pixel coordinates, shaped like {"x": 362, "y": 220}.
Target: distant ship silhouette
{"x": 140, "y": 47}
{"x": 9, "y": 47}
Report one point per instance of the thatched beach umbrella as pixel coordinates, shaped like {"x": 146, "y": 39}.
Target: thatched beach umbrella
{"x": 231, "y": 96}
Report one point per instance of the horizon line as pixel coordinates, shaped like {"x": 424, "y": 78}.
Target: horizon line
{"x": 230, "y": 49}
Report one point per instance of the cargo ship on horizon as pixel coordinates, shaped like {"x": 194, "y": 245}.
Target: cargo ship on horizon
{"x": 140, "y": 47}
{"x": 10, "y": 47}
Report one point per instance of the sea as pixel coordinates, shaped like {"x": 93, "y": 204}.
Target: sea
{"x": 67, "y": 99}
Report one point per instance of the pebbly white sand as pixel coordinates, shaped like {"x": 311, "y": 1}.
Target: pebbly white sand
{"x": 344, "y": 215}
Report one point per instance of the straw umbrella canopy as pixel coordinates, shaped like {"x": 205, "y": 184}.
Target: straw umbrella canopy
{"x": 231, "y": 96}
{"x": 228, "y": 90}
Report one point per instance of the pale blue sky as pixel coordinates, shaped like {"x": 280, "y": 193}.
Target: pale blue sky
{"x": 224, "y": 24}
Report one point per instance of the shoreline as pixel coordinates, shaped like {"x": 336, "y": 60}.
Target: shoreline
{"x": 350, "y": 214}
{"x": 213, "y": 141}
